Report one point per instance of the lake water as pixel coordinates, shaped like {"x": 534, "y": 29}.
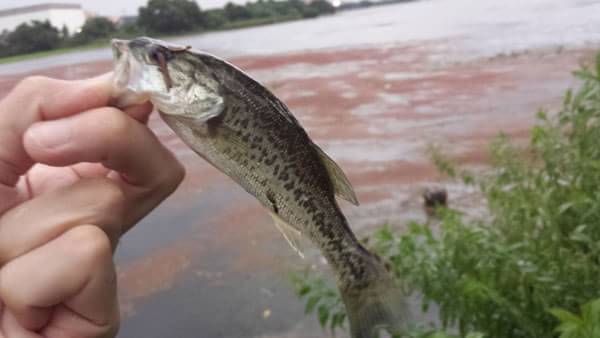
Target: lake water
{"x": 466, "y": 29}
{"x": 209, "y": 263}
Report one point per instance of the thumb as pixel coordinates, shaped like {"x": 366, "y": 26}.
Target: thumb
{"x": 37, "y": 99}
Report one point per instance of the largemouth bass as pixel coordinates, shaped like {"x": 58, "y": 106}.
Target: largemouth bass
{"x": 242, "y": 129}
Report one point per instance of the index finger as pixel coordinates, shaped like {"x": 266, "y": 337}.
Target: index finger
{"x": 37, "y": 99}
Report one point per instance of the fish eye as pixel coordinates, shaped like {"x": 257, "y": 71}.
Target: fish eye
{"x": 158, "y": 55}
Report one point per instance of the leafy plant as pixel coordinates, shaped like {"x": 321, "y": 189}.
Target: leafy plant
{"x": 321, "y": 298}
{"x": 583, "y": 326}
{"x": 526, "y": 269}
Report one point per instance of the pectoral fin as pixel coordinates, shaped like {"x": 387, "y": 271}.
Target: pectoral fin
{"x": 341, "y": 184}
{"x": 292, "y": 235}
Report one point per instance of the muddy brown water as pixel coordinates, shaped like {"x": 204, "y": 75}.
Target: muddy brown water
{"x": 209, "y": 263}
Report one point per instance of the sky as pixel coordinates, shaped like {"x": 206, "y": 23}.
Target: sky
{"x": 107, "y": 7}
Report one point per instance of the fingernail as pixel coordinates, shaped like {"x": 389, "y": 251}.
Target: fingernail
{"x": 50, "y": 134}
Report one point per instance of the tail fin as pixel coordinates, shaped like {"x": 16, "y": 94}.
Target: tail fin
{"x": 375, "y": 309}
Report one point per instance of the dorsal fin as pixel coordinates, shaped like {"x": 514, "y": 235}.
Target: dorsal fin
{"x": 341, "y": 184}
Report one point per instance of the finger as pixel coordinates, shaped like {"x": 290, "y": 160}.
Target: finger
{"x": 42, "y": 178}
{"x": 140, "y": 112}
{"x": 149, "y": 171}
{"x": 103, "y": 135}
{"x": 90, "y": 170}
{"x": 77, "y": 272}
{"x": 38, "y": 221}
{"x": 38, "y": 99}
{"x": 10, "y": 327}
{"x": 66, "y": 323}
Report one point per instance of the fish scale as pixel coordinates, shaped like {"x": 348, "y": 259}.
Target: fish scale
{"x": 246, "y": 132}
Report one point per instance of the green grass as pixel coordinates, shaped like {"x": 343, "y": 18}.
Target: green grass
{"x": 53, "y": 52}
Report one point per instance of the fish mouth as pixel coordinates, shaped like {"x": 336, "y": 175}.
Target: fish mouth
{"x": 119, "y": 47}
{"x": 122, "y": 72}
{"x": 127, "y": 72}
{"x": 129, "y": 68}
{"x": 123, "y": 53}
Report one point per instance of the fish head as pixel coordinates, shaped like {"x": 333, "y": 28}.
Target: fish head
{"x": 178, "y": 81}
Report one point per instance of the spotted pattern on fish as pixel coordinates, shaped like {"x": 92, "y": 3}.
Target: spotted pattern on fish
{"x": 273, "y": 156}
{"x": 242, "y": 129}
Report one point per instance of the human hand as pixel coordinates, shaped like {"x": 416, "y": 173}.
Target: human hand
{"x": 75, "y": 175}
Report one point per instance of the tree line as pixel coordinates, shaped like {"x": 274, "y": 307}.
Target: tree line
{"x": 158, "y": 17}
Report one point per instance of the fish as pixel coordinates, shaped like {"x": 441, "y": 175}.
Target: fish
{"x": 241, "y": 128}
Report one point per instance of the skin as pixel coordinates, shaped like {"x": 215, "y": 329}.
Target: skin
{"x": 75, "y": 175}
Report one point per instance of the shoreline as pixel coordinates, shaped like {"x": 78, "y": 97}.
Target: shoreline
{"x": 230, "y": 26}
{"x": 105, "y": 43}
{"x": 211, "y": 247}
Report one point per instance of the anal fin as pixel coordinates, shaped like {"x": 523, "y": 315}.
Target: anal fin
{"x": 292, "y": 235}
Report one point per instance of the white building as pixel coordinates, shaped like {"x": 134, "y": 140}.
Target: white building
{"x": 70, "y": 15}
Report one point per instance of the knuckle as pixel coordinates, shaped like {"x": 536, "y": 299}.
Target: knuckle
{"x": 108, "y": 330}
{"x": 172, "y": 177}
{"x": 177, "y": 175}
{"x": 114, "y": 327}
{"x": 109, "y": 210}
{"x": 108, "y": 195}
{"x": 6, "y": 250}
{"x": 34, "y": 82}
{"x": 117, "y": 123}
{"x": 6, "y": 283}
{"x": 11, "y": 246}
{"x": 90, "y": 244}
{"x": 32, "y": 90}
{"x": 11, "y": 282}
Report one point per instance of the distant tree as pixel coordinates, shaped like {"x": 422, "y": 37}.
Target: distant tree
{"x": 288, "y": 8}
{"x": 127, "y": 26}
{"x": 94, "y": 29}
{"x": 235, "y": 12}
{"x": 32, "y": 37}
{"x": 261, "y": 9}
{"x": 310, "y": 12}
{"x": 296, "y": 4}
{"x": 4, "y": 50}
{"x": 214, "y": 18}
{"x": 170, "y": 16}
{"x": 64, "y": 32}
{"x": 318, "y": 7}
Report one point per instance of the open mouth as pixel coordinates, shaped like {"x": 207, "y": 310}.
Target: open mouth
{"x": 164, "y": 70}
{"x": 126, "y": 77}
{"x": 122, "y": 64}
{"x": 121, "y": 52}
{"x": 119, "y": 47}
